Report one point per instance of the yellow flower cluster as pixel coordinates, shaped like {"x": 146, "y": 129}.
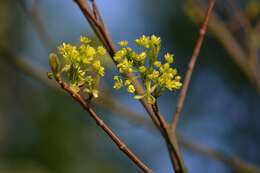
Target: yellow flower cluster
{"x": 80, "y": 66}
{"x": 155, "y": 75}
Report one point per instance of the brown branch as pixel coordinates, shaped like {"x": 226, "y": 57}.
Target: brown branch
{"x": 97, "y": 13}
{"x": 104, "y": 126}
{"x": 98, "y": 26}
{"x": 191, "y": 65}
{"x": 95, "y": 9}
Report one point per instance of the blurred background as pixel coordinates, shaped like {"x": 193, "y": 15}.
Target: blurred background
{"x": 42, "y": 130}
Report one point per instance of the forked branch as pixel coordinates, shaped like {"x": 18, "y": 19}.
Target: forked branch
{"x": 94, "y": 18}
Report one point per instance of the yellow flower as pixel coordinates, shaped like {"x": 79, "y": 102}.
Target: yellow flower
{"x": 101, "y": 71}
{"x": 101, "y": 50}
{"x": 125, "y": 67}
{"x": 90, "y": 51}
{"x": 95, "y": 93}
{"x": 143, "y": 41}
{"x": 178, "y": 78}
{"x": 140, "y": 57}
{"x": 142, "y": 69}
{"x": 123, "y": 43}
{"x": 168, "y": 57}
{"x": 84, "y": 40}
{"x": 131, "y": 89}
{"x": 120, "y": 55}
{"x": 164, "y": 67}
{"x": 89, "y": 80}
{"x": 157, "y": 63}
{"x": 118, "y": 82}
{"x": 155, "y": 40}
{"x": 69, "y": 51}
{"x": 127, "y": 82}
{"x": 96, "y": 65}
{"x": 155, "y": 74}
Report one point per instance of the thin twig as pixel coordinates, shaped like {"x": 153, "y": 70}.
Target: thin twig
{"x": 97, "y": 26}
{"x": 191, "y": 65}
{"x": 97, "y": 13}
{"x": 95, "y": 9}
{"x": 104, "y": 126}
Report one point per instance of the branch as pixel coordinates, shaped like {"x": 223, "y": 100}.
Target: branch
{"x": 103, "y": 126}
{"x": 191, "y": 65}
{"x": 96, "y": 22}
{"x": 97, "y": 25}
